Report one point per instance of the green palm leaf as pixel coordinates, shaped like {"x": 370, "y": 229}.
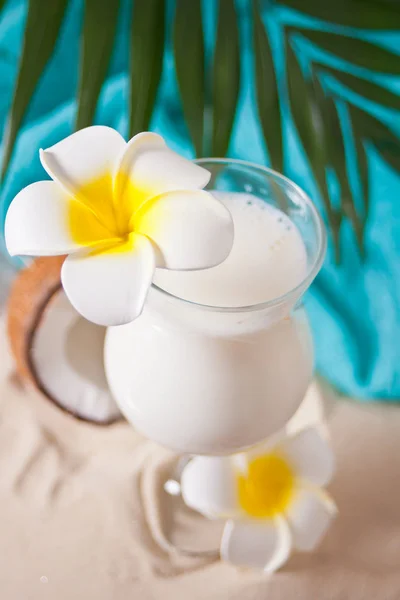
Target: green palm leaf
{"x": 362, "y": 87}
{"x": 97, "y": 42}
{"x": 226, "y": 77}
{"x": 147, "y": 51}
{"x": 41, "y": 32}
{"x": 384, "y": 140}
{"x": 360, "y": 152}
{"x": 367, "y": 14}
{"x": 389, "y": 151}
{"x": 301, "y": 108}
{"x": 309, "y": 123}
{"x": 363, "y": 173}
{"x": 320, "y": 110}
{"x": 337, "y": 158}
{"x": 189, "y": 65}
{"x": 268, "y": 102}
{"x": 355, "y": 51}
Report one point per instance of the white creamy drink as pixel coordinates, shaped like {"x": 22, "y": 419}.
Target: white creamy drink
{"x": 205, "y": 380}
{"x": 268, "y": 259}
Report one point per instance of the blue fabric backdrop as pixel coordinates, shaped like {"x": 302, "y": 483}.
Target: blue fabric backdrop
{"x": 355, "y": 308}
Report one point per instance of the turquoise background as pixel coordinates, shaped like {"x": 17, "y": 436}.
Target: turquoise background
{"x": 355, "y": 307}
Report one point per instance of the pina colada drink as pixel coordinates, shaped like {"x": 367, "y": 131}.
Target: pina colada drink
{"x": 220, "y": 359}
{"x": 268, "y": 259}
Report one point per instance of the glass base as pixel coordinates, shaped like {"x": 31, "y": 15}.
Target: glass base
{"x": 188, "y": 532}
{"x": 178, "y": 529}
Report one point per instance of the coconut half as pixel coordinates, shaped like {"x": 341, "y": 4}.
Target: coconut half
{"x": 55, "y": 349}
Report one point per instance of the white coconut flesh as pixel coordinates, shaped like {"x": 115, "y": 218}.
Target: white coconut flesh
{"x": 66, "y": 356}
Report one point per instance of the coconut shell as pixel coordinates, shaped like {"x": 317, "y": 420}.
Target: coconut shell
{"x": 31, "y": 295}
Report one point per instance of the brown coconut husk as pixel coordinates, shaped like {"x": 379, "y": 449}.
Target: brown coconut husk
{"x": 32, "y": 293}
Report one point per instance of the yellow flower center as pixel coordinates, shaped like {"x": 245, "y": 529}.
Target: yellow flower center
{"x": 267, "y": 488}
{"x": 99, "y": 213}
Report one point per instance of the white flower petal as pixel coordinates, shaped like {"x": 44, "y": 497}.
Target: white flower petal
{"x": 208, "y": 485}
{"x": 258, "y": 544}
{"x": 309, "y": 517}
{"x": 152, "y": 168}
{"x": 39, "y": 218}
{"x": 192, "y": 230}
{"x": 109, "y": 287}
{"x": 85, "y": 158}
{"x": 141, "y": 143}
{"x": 310, "y": 456}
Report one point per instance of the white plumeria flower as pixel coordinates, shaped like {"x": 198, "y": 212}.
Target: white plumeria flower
{"x": 272, "y": 496}
{"x": 119, "y": 210}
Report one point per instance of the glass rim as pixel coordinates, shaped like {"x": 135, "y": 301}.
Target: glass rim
{"x": 312, "y": 269}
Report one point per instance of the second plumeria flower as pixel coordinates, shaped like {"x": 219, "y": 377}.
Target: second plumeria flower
{"x": 272, "y": 496}
{"x": 119, "y": 210}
